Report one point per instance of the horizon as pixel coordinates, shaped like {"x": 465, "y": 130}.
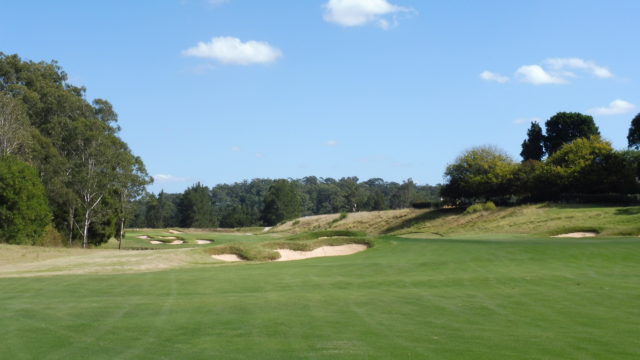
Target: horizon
{"x": 219, "y": 91}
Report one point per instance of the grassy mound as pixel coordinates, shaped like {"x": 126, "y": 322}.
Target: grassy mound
{"x": 264, "y": 251}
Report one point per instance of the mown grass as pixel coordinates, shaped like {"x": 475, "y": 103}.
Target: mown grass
{"x": 481, "y": 297}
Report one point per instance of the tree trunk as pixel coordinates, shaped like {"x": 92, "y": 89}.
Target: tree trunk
{"x": 85, "y": 233}
{"x": 121, "y": 233}
{"x": 71, "y": 210}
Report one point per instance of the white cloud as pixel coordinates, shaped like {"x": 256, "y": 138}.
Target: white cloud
{"x": 331, "y": 143}
{"x": 235, "y": 148}
{"x": 535, "y": 74}
{"x": 361, "y": 12}
{"x": 259, "y": 155}
{"x": 489, "y": 76}
{"x": 591, "y": 67}
{"x": 166, "y": 178}
{"x": 616, "y": 107}
{"x": 230, "y": 50}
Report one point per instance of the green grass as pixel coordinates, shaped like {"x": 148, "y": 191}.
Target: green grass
{"x": 543, "y": 220}
{"x": 481, "y": 297}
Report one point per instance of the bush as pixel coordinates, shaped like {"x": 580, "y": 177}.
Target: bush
{"x": 24, "y": 211}
{"x": 51, "y": 237}
{"x": 486, "y": 206}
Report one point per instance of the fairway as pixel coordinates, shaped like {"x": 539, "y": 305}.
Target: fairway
{"x": 449, "y": 298}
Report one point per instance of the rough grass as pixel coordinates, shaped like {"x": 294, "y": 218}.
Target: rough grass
{"x": 373, "y": 222}
{"x": 454, "y": 298}
{"x": 543, "y": 220}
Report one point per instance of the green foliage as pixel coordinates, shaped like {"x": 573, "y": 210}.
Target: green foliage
{"x": 478, "y": 207}
{"x": 533, "y": 146}
{"x": 564, "y": 127}
{"x": 281, "y": 203}
{"x": 480, "y": 173}
{"x": 89, "y": 173}
{"x": 24, "y": 212}
{"x": 196, "y": 209}
{"x": 634, "y": 133}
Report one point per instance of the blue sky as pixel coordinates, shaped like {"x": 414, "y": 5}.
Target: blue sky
{"x": 222, "y": 91}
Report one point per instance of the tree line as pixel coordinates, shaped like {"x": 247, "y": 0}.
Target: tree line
{"x": 266, "y": 202}
{"x": 65, "y": 174}
{"x": 568, "y": 161}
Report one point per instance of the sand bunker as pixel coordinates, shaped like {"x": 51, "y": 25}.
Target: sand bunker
{"x": 201, "y": 242}
{"x": 175, "y": 232}
{"x": 577, "y": 234}
{"x": 155, "y": 242}
{"x": 227, "y": 257}
{"x": 169, "y": 237}
{"x": 289, "y": 255}
{"x": 267, "y": 228}
{"x": 176, "y": 242}
{"x": 144, "y": 237}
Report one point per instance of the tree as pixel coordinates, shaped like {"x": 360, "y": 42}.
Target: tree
{"x": 479, "y": 173}
{"x": 130, "y": 179}
{"x": 634, "y": 133}
{"x": 533, "y": 146}
{"x": 583, "y": 166}
{"x": 282, "y": 202}
{"x": 196, "y": 208}
{"x": 24, "y": 212}
{"x": 564, "y": 127}
{"x": 13, "y": 126}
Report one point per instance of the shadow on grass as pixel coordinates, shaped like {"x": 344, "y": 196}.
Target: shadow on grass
{"x": 628, "y": 211}
{"x": 429, "y": 215}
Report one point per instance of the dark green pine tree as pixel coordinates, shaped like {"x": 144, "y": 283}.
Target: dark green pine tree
{"x": 634, "y": 133}
{"x": 282, "y": 202}
{"x": 564, "y": 127}
{"x": 533, "y": 146}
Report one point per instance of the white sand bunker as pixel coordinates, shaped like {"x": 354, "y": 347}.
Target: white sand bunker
{"x": 169, "y": 237}
{"x": 155, "y": 242}
{"x": 202, "y": 242}
{"x": 578, "y": 234}
{"x": 227, "y": 257}
{"x": 175, "y": 232}
{"x": 176, "y": 242}
{"x": 143, "y": 237}
{"x": 289, "y": 255}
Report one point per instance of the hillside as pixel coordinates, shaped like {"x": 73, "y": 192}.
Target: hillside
{"x": 543, "y": 219}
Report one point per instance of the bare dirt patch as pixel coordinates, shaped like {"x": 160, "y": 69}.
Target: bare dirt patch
{"x": 341, "y": 250}
{"x": 227, "y": 257}
{"x": 577, "y": 234}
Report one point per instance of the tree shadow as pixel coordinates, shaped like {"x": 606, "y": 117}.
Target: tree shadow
{"x": 628, "y": 211}
{"x": 427, "y": 216}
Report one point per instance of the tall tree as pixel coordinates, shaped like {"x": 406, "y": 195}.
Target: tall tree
{"x": 282, "y": 202}
{"x": 634, "y": 133}
{"x": 480, "y": 173}
{"x": 533, "y": 146}
{"x": 13, "y": 126}
{"x": 196, "y": 208}
{"x": 564, "y": 127}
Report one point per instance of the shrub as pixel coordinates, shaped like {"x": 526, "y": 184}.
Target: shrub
{"x": 24, "y": 211}
{"x": 486, "y": 206}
